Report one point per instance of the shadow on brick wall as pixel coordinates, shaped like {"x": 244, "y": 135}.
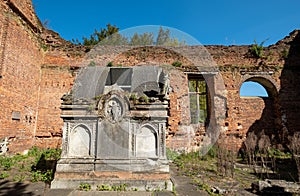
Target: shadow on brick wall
{"x": 289, "y": 94}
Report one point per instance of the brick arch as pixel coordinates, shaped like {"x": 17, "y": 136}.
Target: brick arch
{"x": 266, "y": 81}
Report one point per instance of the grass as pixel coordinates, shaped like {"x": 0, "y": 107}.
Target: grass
{"x": 36, "y": 165}
{"x": 204, "y": 173}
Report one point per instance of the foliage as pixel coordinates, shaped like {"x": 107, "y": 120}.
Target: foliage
{"x": 6, "y": 162}
{"x": 19, "y": 178}
{"x": 177, "y": 64}
{"x": 141, "y": 39}
{"x": 104, "y": 187}
{"x": 171, "y": 155}
{"x": 133, "y": 97}
{"x": 111, "y": 36}
{"x": 164, "y": 39}
{"x": 4, "y": 175}
{"x": 110, "y": 64}
{"x": 205, "y": 187}
{"x": 92, "y": 64}
{"x": 84, "y": 187}
{"x": 36, "y": 165}
{"x": 144, "y": 99}
{"x": 98, "y": 36}
{"x": 256, "y": 49}
{"x": 115, "y": 39}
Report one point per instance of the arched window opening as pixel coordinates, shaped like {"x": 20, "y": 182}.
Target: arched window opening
{"x": 253, "y": 89}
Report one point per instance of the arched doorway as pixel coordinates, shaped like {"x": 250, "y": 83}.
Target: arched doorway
{"x": 258, "y": 107}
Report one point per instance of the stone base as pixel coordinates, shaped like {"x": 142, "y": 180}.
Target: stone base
{"x": 133, "y": 181}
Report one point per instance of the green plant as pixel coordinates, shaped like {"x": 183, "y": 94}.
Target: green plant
{"x": 47, "y": 176}
{"x": 36, "y": 176}
{"x": 205, "y": 187}
{"x": 19, "y": 178}
{"x": 103, "y": 187}
{"x": 144, "y": 99}
{"x": 256, "y": 49}
{"x": 92, "y": 64}
{"x": 90, "y": 108}
{"x": 4, "y": 175}
{"x": 110, "y": 64}
{"x": 121, "y": 187}
{"x": 6, "y": 163}
{"x": 133, "y": 97}
{"x": 171, "y": 155}
{"x": 84, "y": 187}
{"x": 177, "y": 64}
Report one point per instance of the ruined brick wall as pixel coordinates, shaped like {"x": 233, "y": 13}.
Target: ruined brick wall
{"x": 25, "y": 10}
{"x": 55, "y": 82}
{"x": 20, "y": 59}
{"x": 37, "y": 68}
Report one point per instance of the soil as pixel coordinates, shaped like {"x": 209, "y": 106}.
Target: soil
{"x": 185, "y": 184}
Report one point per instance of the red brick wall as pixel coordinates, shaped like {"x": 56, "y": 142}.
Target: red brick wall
{"x": 20, "y": 61}
{"x": 56, "y": 81}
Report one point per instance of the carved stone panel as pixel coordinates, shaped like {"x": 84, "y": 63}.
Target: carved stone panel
{"x": 146, "y": 142}
{"x": 80, "y": 142}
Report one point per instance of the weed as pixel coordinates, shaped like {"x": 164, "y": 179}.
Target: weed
{"x": 121, "y": 187}
{"x": 133, "y": 97}
{"x": 4, "y": 175}
{"x": 205, "y": 187}
{"x": 110, "y": 64}
{"x": 177, "y": 64}
{"x": 171, "y": 155}
{"x": 84, "y": 187}
{"x": 92, "y": 64}
{"x": 144, "y": 99}
{"x": 36, "y": 176}
{"x": 6, "y": 163}
{"x": 19, "y": 178}
{"x": 256, "y": 49}
{"x": 103, "y": 187}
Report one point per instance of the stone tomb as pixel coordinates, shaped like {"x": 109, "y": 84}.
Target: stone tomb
{"x": 113, "y": 133}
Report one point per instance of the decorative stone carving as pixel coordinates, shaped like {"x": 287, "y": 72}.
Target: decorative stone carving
{"x": 166, "y": 87}
{"x": 113, "y": 110}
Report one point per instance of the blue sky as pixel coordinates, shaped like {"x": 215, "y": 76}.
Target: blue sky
{"x": 227, "y": 22}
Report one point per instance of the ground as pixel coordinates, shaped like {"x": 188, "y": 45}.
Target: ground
{"x": 191, "y": 174}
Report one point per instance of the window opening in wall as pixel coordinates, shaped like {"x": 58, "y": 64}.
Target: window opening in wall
{"x": 121, "y": 77}
{"x": 253, "y": 89}
{"x": 198, "y": 99}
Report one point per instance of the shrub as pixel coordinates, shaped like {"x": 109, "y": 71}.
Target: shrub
{"x": 256, "y": 49}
